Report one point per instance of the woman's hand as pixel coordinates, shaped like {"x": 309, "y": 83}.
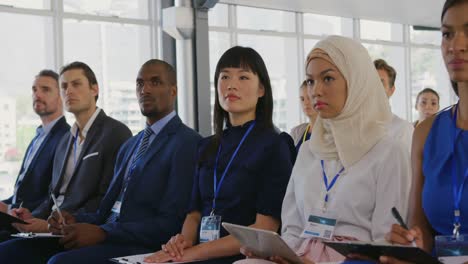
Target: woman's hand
{"x": 402, "y": 236}
{"x": 158, "y": 257}
{"x": 175, "y": 246}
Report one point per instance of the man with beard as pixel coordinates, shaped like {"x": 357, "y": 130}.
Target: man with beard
{"x": 31, "y": 187}
{"x": 85, "y": 156}
{"x": 147, "y": 199}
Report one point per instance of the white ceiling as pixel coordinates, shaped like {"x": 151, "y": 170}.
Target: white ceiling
{"x": 412, "y": 12}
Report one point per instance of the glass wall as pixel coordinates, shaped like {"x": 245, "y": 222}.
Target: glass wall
{"x": 116, "y": 36}
{"x": 285, "y": 38}
{"x": 112, "y": 37}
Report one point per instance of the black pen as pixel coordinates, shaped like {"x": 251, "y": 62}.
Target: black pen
{"x": 400, "y": 221}
{"x": 397, "y": 216}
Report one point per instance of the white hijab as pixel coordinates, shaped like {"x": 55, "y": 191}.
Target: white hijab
{"x": 361, "y": 124}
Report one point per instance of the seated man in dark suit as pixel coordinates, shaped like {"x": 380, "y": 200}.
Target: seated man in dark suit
{"x": 85, "y": 156}
{"x": 32, "y": 184}
{"x": 148, "y": 196}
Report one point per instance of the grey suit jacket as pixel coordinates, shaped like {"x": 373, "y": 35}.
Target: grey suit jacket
{"x": 94, "y": 168}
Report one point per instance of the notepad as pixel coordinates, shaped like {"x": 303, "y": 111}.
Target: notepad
{"x": 6, "y": 220}
{"x": 375, "y": 250}
{"x": 139, "y": 259}
{"x": 35, "y": 235}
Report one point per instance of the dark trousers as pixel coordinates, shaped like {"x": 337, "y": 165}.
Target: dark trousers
{"x": 48, "y": 250}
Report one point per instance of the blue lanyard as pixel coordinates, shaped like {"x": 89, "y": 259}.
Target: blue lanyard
{"x": 76, "y": 146}
{"x": 456, "y": 188}
{"x": 216, "y": 187}
{"x": 31, "y": 148}
{"x": 325, "y": 180}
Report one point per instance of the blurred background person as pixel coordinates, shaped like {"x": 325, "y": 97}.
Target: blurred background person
{"x": 302, "y": 132}
{"x": 427, "y": 104}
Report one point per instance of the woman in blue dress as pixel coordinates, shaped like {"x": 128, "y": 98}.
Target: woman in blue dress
{"x": 439, "y": 201}
{"x": 243, "y": 169}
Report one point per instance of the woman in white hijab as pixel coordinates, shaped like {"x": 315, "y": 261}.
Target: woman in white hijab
{"x": 350, "y": 171}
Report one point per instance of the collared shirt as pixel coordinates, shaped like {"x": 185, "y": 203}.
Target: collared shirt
{"x": 44, "y": 132}
{"x": 156, "y": 127}
{"x": 33, "y": 151}
{"x": 160, "y": 124}
{"x": 360, "y": 198}
{"x": 74, "y": 154}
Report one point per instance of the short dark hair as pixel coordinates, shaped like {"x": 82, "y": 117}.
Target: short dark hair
{"x": 89, "y": 74}
{"x": 447, "y": 5}
{"x": 427, "y": 90}
{"x": 48, "y": 73}
{"x": 381, "y": 64}
{"x": 171, "y": 72}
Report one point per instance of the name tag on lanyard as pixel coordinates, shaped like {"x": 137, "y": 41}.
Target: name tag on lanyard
{"x": 320, "y": 224}
{"x": 129, "y": 173}
{"x": 117, "y": 204}
{"x": 454, "y": 248}
{"x": 211, "y": 225}
{"x": 210, "y": 228}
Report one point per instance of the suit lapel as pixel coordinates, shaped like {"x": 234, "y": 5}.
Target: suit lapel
{"x": 46, "y": 141}
{"x": 57, "y": 178}
{"x": 158, "y": 143}
{"x": 90, "y": 138}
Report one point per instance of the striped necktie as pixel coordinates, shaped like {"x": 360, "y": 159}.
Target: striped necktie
{"x": 142, "y": 148}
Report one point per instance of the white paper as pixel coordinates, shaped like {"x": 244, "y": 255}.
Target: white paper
{"x": 139, "y": 259}
{"x": 453, "y": 260}
{"x": 35, "y": 235}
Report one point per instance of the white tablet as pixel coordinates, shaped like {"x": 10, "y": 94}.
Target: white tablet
{"x": 262, "y": 243}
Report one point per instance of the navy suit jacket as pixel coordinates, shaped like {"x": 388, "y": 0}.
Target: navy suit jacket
{"x": 155, "y": 203}
{"x": 33, "y": 189}
{"x": 94, "y": 168}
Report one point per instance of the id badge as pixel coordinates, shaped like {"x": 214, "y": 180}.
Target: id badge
{"x": 210, "y": 228}
{"x": 452, "y": 250}
{"x": 116, "y": 207}
{"x": 320, "y": 225}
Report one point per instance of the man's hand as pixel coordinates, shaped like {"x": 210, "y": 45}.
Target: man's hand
{"x": 56, "y": 223}
{"x": 22, "y": 213}
{"x": 81, "y": 235}
{"x": 36, "y": 225}
{"x": 3, "y": 207}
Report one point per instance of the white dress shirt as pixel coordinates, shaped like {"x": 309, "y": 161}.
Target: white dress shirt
{"x": 362, "y": 197}
{"x": 73, "y": 154}
{"x": 401, "y": 130}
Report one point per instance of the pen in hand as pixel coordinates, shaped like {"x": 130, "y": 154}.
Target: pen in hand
{"x": 400, "y": 221}
{"x": 58, "y": 208}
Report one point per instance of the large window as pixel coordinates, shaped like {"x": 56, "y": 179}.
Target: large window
{"x": 23, "y": 55}
{"x": 284, "y": 39}
{"x": 115, "y": 52}
{"x": 113, "y": 37}
{"x": 32, "y": 4}
{"x": 283, "y": 72}
{"x": 112, "y": 8}
{"x": 428, "y": 70}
